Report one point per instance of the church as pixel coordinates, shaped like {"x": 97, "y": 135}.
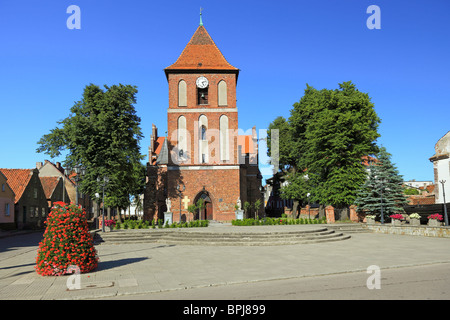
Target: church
{"x": 202, "y": 155}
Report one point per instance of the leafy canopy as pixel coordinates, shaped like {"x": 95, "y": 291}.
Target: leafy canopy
{"x": 102, "y": 133}
{"x": 322, "y": 143}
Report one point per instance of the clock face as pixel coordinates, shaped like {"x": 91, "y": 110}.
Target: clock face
{"x": 202, "y": 82}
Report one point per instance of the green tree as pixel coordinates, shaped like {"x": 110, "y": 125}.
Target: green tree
{"x": 323, "y": 142}
{"x": 102, "y": 133}
{"x": 382, "y": 189}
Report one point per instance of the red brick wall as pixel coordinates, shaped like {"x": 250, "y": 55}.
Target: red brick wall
{"x": 192, "y": 118}
{"x": 222, "y": 187}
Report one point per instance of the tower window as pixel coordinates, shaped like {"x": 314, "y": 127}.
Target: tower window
{"x": 203, "y": 133}
{"x": 202, "y": 96}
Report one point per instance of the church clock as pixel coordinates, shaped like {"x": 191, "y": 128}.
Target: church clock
{"x": 201, "y": 82}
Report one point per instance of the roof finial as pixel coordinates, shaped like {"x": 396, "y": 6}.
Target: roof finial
{"x": 201, "y": 22}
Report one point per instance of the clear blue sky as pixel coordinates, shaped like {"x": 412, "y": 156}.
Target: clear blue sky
{"x": 278, "y": 45}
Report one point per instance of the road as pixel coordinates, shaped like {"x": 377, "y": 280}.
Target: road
{"x": 409, "y": 283}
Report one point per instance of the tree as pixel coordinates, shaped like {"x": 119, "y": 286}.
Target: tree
{"x": 323, "y": 142}
{"x": 257, "y": 205}
{"x": 102, "y": 133}
{"x": 382, "y": 189}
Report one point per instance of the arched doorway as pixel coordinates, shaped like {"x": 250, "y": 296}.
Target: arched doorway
{"x": 206, "y": 212}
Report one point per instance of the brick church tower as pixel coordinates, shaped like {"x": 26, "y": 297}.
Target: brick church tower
{"x": 202, "y": 156}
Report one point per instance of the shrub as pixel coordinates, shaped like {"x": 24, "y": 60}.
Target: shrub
{"x": 66, "y": 242}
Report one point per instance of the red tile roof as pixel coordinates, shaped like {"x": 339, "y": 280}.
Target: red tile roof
{"x": 18, "y": 180}
{"x": 159, "y": 144}
{"x": 201, "y": 53}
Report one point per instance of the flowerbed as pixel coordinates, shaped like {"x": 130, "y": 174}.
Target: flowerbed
{"x": 276, "y": 221}
{"x": 397, "y": 216}
{"x": 67, "y": 242}
{"x": 140, "y": 224}
{"x": 435, "y": 216}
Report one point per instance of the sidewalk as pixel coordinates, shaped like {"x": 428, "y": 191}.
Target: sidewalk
{"x": 150, "y": 267}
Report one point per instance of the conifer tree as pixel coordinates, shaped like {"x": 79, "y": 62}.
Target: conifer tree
{"x": 67, "y": 242}
{"x": 383, "y": 188}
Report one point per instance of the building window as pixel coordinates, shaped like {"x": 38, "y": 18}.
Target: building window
{"x": 224, "y": 139}
{"x": 222, "y": 93}
{"x": 3, "y": 187}
{"x": 202, "y": 96}
{"x": 7, "y": 209}
{"x": 182, "y": 137}
{"x": 203, "y": 133}
{"x": 182, "y": 94}
{"x": 35, "y": 192}
{"x": 203, "y": 139}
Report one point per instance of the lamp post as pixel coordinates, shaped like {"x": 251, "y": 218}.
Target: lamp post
{"x": 381, "y": 201}
{"x": 104, "y": 183}
{"x": 445, "y": 204}
{"x": 309, "y": 207}
{"x": 180, "y": 191}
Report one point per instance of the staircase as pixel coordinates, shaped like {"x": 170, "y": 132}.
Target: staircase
{"x": 223, "y": 236}
{"x": 349, "y": 227}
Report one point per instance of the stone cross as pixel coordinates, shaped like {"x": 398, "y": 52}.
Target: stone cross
{"x": 186, "y": 201}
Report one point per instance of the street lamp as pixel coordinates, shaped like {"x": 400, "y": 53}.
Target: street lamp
{"x": 180, "y": 190}
{"x": 104, "y": 183}
{"x": 309, "y": 207}
{"x": 445, "y": 204}
{"x": 381, "y": 181}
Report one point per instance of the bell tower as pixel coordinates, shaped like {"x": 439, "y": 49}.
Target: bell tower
{"x": 201, "y": 156}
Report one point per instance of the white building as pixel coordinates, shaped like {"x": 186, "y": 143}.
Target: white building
{"x": 417, "y": 184}
{"x": 441, "y": 166}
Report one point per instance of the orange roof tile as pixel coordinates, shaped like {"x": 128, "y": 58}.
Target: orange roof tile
{"x": 18, "y": 180}
{"x": 201, "y": 53}
{"x": 159, "y": 144}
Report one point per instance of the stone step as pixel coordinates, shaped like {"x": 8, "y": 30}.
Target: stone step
{"x": 219, "y": 238}
{"x": 350, "y": 228}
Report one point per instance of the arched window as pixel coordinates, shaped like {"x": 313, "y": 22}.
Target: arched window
{"x": 182, "y": 94}
{"x": 224, "y": 139}
{"x": 222, "y": 93}
{"x": 182, "y": 139}
{"x": 203, "y": 139}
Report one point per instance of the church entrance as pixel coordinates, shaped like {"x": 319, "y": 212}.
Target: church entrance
{"x": 206, "y": 211}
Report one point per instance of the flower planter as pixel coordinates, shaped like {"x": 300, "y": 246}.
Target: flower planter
{"x": 108, "y": 228}
{"x": 414, "y": 222}
{"x": 396, "y": 222}
{"x": 434, "y": 223}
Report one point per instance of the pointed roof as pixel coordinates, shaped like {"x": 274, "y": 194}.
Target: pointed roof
{"x": 201, "y": 53}
{"x": 18, "y": 180}
{"x": 163, "y": 157}
{"x": 49, "y": 184}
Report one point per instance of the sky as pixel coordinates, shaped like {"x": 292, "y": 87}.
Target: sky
{"x": 279, "y": 47}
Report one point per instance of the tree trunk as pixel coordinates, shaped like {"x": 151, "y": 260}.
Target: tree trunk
{"x": 295, "y": 211}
